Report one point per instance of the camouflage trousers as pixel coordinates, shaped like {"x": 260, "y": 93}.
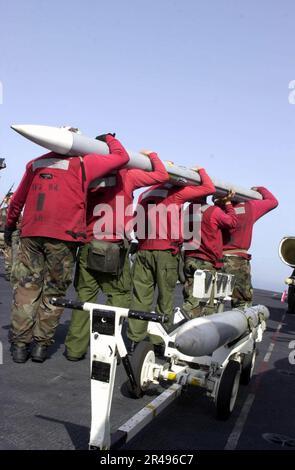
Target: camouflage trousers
{"x": 243, "y": 292}
{"x": 192, "y": 305}
{"x": 43, "y": 270}
{"x": 88, "y": 283}
{"x": 2, "y": 244}
{"x": 152, "y": 268}
{"x": 10, "y": 255}
{"x": 5, "y": 251}
{"x": 9, "y": 252}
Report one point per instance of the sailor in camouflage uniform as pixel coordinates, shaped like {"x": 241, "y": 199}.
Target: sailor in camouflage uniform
{"x": 53, "y": 193}
{"x": 237, "y": 241}
{"x": 208, "y": 256}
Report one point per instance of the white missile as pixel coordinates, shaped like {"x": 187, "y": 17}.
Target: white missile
{"x": 202, "y": 336}
{"x": 65, "y": 142}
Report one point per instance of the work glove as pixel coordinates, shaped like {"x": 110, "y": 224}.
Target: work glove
{"x": 133, "y": 247}
{"x": 8, "y": 235}
{"x": 102, "y": 137}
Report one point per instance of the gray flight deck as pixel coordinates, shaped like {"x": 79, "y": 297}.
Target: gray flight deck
{"x": 47, "y": 406}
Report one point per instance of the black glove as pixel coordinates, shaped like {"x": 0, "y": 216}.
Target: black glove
{"x": 102, "y": 137}
{"x": 133, "y": 247}
{"x": 8, "y": 235}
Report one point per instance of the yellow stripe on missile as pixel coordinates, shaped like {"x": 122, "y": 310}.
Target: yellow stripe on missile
{"x": 195, "y": 381}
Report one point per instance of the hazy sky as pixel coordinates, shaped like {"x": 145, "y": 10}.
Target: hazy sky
{"x": 201, "y": 82}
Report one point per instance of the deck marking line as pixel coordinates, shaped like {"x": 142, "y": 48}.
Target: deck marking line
{"x": 269, "y": 351}
{"x": 234, "y": 436}
{"x": 144, "y": 416}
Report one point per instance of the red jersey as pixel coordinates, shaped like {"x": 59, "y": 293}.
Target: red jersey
{"x": 53, "y": 191}
{"x": 213, "y": 221}
{"x": 161, "y": 208}
{"x": 247, "y": 213}
{"x": 110, "y": 204}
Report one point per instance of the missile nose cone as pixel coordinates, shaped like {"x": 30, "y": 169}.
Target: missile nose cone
{"x": 20, "y": 129}
{"x": 57, "y": 139}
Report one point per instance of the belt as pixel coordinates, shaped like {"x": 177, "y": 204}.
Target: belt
{"x": 233, "y": 252}
{"x": 76, "y": 235}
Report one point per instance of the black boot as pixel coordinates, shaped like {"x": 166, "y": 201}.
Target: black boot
{"x": 73, "y": 358}
{"x": 39, "y": 353}
{"x": 20, "y": 354}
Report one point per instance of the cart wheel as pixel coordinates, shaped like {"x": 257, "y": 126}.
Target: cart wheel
{"x": 141, "y": 358}
{"x": 248, "y": 367}
{"x": 228, "y": 390}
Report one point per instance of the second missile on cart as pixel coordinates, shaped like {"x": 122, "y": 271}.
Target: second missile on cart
{"x": 202, "y": 336}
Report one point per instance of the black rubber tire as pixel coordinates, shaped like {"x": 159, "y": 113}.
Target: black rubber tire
{"x": 137, "y": 361}
{"x": 228, "y": 390}
{"x": 291, "y": 299}
{"x": 247, "y": 367}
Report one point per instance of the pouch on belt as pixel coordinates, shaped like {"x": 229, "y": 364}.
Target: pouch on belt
{"x": 106, "y": 257}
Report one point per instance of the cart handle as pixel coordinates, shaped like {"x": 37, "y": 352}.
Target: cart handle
{"x": 66, "y": 303}
{"x": 136, "y": 314}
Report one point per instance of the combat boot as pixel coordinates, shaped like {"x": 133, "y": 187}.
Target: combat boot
{"x": 72, "y": 358}
{"x": 39, "y": 352}
{"x": 20, "y": 353}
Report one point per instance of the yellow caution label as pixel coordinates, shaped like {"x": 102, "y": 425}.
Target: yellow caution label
{"x": 171, "y": 376}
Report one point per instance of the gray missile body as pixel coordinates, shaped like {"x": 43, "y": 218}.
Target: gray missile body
{"x": 202, "y": 336}
{"x": 65, "y": 142}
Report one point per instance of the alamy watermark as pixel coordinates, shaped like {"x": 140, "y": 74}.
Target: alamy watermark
{"x": 1, "y": 353}
{"x": 292, "y": 353}
{"x": 291, "y": 97}
{"x": 151, "y": 221}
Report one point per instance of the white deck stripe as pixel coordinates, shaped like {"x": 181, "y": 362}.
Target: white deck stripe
{"x": 269, "y": 352}
{"x": 150, "y": 411}
{"x": 234, "y": 436}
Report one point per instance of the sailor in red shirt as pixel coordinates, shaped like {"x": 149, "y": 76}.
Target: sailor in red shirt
{"x": 103, "y": 262}
{"x": 208, "y": 256}
{"x": 237, "y": 242}
{"x": 157, "y": 260}
{"x": 53, "y": 194}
